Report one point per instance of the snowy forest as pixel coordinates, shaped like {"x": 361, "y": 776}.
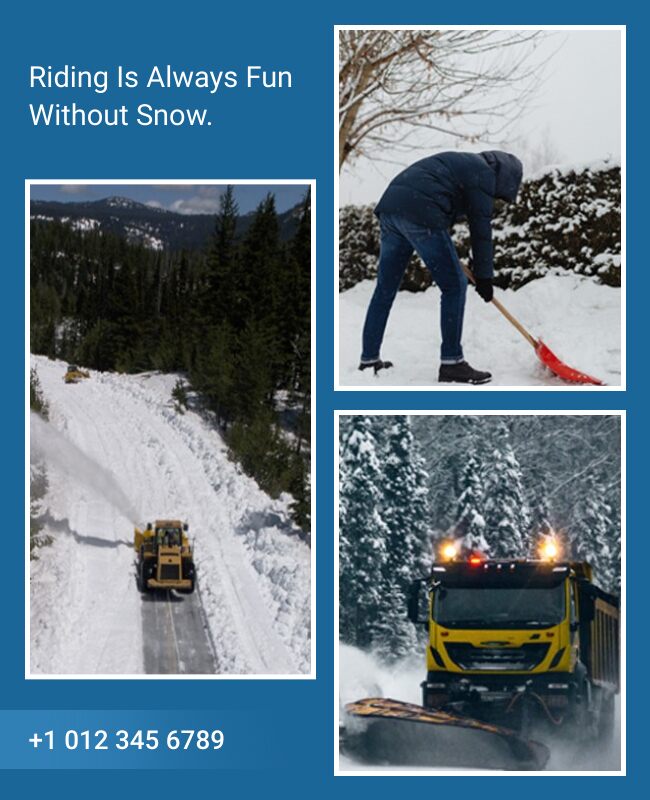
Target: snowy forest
{"x": 494, "y": 483}
{"x": 233, "y": 319}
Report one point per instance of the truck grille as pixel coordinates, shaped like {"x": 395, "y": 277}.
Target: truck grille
{"x": 169, "y": 572}
{"x": 526, "y": 657}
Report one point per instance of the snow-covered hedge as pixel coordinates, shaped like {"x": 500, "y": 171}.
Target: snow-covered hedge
{"x": 566, "y": 218}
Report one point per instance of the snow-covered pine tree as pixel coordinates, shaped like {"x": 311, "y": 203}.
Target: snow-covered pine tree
{"x": 544, "y": 527}
{"x": 542, "y": 513}
{"x": 593, "y": 536}
{"x": 406, "y": 514}
{"x": 470, "y": 523}
{"x": 612, "y": 498}
{"x": 507, "y": 513}
{"x": 446, "y": 441}
{"x": 363, "y": 535}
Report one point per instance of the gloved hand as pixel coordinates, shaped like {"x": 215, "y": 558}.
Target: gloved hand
{"x": 484, "y": 288}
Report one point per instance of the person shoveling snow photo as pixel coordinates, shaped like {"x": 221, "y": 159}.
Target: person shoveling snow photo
{"x": 435, "y": 119}
{"x": 415, "y": 213}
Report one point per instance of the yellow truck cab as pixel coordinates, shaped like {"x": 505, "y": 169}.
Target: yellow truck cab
{"x": 511, "y": 640}
{"x": 165, "y": 557}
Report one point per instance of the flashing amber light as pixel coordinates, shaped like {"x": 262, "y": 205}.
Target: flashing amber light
{"x": 550, "y": 550}
{"x": 449, "y": 551}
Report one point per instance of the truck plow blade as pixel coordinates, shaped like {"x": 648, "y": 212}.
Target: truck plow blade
{"x": 379, "y": 730}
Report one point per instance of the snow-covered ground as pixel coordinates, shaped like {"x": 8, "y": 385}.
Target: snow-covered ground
{"x": 117, "y": 453}
{"x": 577, "y": 318}
{"x": 361, "y": 675}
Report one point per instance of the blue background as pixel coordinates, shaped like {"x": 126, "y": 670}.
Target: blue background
{"x": 258, "y": 135}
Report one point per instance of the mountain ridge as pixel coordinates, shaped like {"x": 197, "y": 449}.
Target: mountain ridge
{"x": 155, "y": 227}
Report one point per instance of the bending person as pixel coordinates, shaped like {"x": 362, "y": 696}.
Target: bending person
{"x": 416, "y": 213}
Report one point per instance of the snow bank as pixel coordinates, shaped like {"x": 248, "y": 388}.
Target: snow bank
{"x": 577, "y": 318}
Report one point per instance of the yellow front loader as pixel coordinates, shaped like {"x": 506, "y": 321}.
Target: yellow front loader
{"x": 165, "y": 558}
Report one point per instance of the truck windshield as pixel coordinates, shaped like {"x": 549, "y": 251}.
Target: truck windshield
{"x": 497, "y": 607}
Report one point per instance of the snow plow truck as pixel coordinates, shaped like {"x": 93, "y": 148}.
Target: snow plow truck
{"x": 74, "y": 374}
{"x": 165, "y": 557}
{"x": 514, "y": 648}
{"x": 515, "y": 642}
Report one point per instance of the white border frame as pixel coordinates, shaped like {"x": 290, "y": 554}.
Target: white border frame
{"x": 493, "y": 773}
{"x": 311, "y": 182}
{"x": 455, "y": 387}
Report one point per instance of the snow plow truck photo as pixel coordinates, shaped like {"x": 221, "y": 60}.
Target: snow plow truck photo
{"x": 165, "y": 557}
{"x": 74, "y": 374}
{"x": 515, "y": 648}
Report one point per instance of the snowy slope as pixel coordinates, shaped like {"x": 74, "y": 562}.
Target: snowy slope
{"x": 145, "y": 461}
{"x": 578, "y": 319}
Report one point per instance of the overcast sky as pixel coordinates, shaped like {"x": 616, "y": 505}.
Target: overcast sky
{"x": 184, "y": 198}
{"x": 577, "y": 110}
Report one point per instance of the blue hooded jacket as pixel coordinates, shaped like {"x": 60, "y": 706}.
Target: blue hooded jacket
{"x": 441, "y": 190}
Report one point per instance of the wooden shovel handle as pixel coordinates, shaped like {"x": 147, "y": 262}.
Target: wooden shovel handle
{"x": 512, "y": 320}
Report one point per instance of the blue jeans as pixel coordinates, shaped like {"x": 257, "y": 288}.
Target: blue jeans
{"x": 399, "y": 238}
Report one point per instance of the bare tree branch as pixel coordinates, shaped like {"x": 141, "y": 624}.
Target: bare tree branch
{"x": 466, "y": 84}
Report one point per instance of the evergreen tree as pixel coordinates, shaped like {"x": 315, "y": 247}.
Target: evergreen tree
{"x": 37, "y": 401}
{"x": 542, "y": 514}
{"x": 454, "y": 438}
{"x": 508, "y": 530}
{"x": 224, "y": 274}
{"x": 263, "y": 263}
{"x": 406, "y": 515}
{"x": 213, "y": 372}
{"x": 293, "y": 316}
{"x": 470, "y": 524}
{"x": 301, "y": 505}
{"x": 594, "y": 539}
{"x": 253, "y": 387}
{"x": 45, "y": 310}
{"x": 262, "y": 451}
{"x": 363, "y": 534}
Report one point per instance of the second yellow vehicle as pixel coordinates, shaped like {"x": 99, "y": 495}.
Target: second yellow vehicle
{"x": 74, "y": 374}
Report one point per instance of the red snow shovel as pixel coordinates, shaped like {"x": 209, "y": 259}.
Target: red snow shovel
{"x": 544, "y": 353}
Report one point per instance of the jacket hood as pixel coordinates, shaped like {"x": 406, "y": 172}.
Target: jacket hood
{"x": 508, "y": 170}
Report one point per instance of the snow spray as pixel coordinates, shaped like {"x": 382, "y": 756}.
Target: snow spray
{"x": 364, "y": 674}
{"x": 51, "y": 446}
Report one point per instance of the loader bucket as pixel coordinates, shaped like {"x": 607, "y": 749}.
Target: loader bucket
{"x": 384, "y": 731}
{"x": 562, "y": 370}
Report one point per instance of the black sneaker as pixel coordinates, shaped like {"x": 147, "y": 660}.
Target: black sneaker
{"x": 462, "y": 373}
{"x": 377, "y": 364}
